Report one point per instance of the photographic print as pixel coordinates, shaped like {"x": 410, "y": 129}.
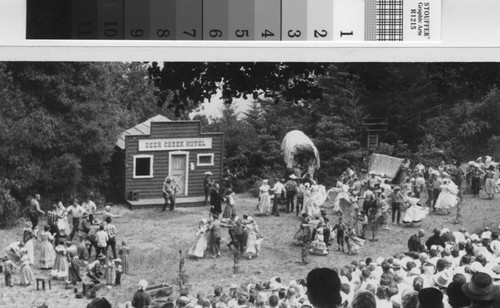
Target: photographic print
{"x": 249, "y": 184}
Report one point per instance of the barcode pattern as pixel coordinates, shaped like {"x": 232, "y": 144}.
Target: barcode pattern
{"x": 389, "y": 20}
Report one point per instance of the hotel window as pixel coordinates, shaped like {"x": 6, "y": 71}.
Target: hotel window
{"x": 205, "y": 159}
{"x": 143, "y": 166}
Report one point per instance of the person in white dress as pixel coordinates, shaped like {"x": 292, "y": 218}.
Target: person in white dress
{"x": 447, "y": 197}
{"x": 197, "y": 251}
{"x": 264, "y": 206}
{"x": 415, "y": 212}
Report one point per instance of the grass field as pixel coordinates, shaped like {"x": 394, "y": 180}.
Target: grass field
{"x": 155, "y": 237}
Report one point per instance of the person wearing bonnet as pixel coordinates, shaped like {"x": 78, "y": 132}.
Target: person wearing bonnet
{"x": 323, "y": 288}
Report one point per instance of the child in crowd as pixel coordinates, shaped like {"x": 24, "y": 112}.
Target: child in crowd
{"x": 9, "y": 268}
{"x": 340, "y": 227}
{"x": 26, "y": 273}
{"x": 118, "y": 270}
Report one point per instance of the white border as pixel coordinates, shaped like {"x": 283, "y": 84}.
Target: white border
{"x": 204, "y": 154}
{"x": 187, "y": 167}
{"x": 151, "y": 157}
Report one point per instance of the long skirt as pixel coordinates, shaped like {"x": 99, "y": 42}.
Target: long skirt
{"x": 27, "y": 276}
{"x": 491, "y": 187}
{"x": 318, "y": 247}
{"x": 414, "y": 214}
{"x": 31, "y": 250}
{"x": 228, "y": 211}
{"x": 446, "y": 200}
{"x": 60, "y": 269}
{"x": 199, "y": 246}
{"x": 264, "y": 206}
{"x": 253, "y": 244}
{"x": 47, "y": 255}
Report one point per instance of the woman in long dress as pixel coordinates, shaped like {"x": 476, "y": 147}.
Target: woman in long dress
{"x": 264, "y": 205}
{"x": 61, "y": 266}
{"x": 447, "y": 197}
{"x": 29, "y": 237}
{"x": 415, "y": 212}
{"x": 318, "y": 246}
{"x": 124, "y": 252}
{"x": 62, "y": 221}
{"x": 47, "y": 252}
{"x": 197, "y": 251}
{"x": 254, "y": 238}
{"x": 26, "y": 273}
{"x": 490, "y": 186}
{"x": 230, "y": 202}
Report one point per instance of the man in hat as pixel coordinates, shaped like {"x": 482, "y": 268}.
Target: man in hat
{"x": 169, "y": 190}
{"x": 111, "y": 230}
{"x": 291, "y": 190}
{"x": 481, "y": 291}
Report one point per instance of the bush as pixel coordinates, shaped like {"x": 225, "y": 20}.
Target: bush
{"x": 10, "y": 208}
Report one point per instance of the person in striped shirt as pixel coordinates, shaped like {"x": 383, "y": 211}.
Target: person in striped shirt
{"x": 111, "y": 230}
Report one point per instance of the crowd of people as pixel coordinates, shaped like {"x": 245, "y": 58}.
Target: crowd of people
{"x": 81, "y": 252}
{"x": 448, "y": 269}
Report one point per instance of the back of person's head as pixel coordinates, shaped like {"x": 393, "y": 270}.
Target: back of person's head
{"x": 392, "y": 290}
{"x": 436, "y": 231}
{"x": 386, "y": 266}
{"x": 364, "y": 299}
{"x": 366, "y": 273}
{"x": 481, "y": 259}
{"x": 440, "y": 265}
{"x": 242, "y": 300}
{"x": 381, "y": 292}
{"x": 273, "y": 301}
{"x": 456, "y": 297}
{"x": 433, "y": 253}
{"x": 409, "y": 299}
{"x": 430, "y": 298}
{"x": 418, "y": 283}
{"x": 323, "y": 288}
{"x": 386, "y": 279}
{"x": 460, "y": 278}
{"x": 346, "y": 288}
{"x": 466, "y": 259}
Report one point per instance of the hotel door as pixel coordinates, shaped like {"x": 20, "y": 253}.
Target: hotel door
{"x": 178, "y": 172}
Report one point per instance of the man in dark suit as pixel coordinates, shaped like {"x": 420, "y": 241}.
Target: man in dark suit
{"x": 216, "y": 200}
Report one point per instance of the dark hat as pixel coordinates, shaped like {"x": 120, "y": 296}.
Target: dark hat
{"x": 108, "y": 219}
{"x": 430, "y": 297}
{"x": 480, "y": 287}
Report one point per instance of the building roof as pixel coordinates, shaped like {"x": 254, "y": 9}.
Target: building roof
{"x": 140, "y": 129}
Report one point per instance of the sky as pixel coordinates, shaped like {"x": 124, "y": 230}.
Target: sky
{"x": 215, "y": 107}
